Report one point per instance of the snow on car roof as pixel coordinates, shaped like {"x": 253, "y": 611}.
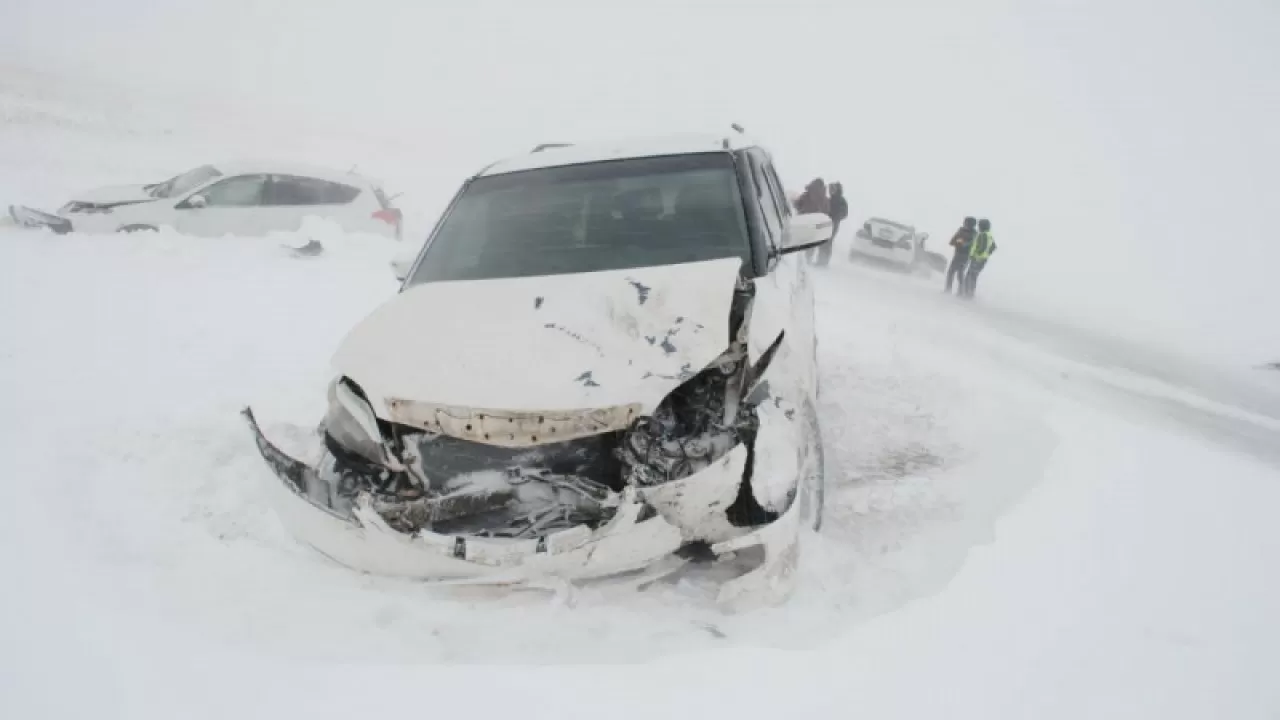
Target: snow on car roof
{"x": 271, "y": 167}
{"x": 891, "y": 223}
{"x": 686, "y": 144}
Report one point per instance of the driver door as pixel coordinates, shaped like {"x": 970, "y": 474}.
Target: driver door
{"x": 232, "y": 206}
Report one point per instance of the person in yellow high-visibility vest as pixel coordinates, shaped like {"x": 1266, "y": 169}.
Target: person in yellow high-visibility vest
{"x": 984, "y": 244}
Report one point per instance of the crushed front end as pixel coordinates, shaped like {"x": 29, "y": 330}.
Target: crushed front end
{"x": 537, "y": 498}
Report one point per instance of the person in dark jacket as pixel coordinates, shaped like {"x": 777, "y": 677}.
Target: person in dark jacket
{"x": 960, "y": 260}
{"x": 837, "y": 210}
{"x": 813, "y": 199}
{"x": 984, "y": 245}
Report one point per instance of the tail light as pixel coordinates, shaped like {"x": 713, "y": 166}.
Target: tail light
{"x": 390, "y": 216}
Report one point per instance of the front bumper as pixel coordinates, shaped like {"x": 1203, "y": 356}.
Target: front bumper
{"x": 32, "y": 218}
{"x": 637, "y": 545}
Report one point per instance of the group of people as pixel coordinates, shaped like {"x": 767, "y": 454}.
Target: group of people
{"x": 974, "y": 245}
{"x": 973, "y": 242}
{"x": 819, "y": 198}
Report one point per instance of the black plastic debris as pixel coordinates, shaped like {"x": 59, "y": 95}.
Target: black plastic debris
{"x": 641, "y": 289}
{"x": 312, "y": 248}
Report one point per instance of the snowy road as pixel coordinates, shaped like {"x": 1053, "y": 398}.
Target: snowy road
{"x": 1024, "y": 520}
{"x": 1240, "y": 409}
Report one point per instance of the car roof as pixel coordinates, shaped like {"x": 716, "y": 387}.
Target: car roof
{"x": 883, "y": 221}
{"x": 272, "y": 167}
{"x": 621, "y": 149}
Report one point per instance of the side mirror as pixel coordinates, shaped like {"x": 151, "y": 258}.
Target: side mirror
{"x": 401, "y": 264}
{"x": 197, "y": 201}
{"x": 807, "y": 230}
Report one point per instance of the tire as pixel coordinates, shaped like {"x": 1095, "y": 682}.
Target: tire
{"x": 138, "y": 228}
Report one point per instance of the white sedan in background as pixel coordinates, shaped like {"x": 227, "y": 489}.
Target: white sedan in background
{"x": 891, "y": 243}
{"x": 244, "y": 198}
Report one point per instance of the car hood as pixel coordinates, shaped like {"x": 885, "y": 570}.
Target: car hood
{"x": 588, "y": 340}
{"x": 114, "y": 195}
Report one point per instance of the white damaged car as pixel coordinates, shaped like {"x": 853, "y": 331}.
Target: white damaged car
{"x": 600, "y": 365}
{"x": 248, "y": 198}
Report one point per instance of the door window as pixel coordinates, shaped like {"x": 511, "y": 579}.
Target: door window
{"x": 768, "y": 203}
{"x": 240, "y": 191}
{"x": 775, "y": 184}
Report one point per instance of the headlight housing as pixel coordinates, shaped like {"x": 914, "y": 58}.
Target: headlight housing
{"x": 351, "y": 423}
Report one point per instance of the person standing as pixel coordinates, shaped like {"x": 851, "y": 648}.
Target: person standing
{"x": 961, "y": 242}
{"x": 837, "y": 210}
{"x": 984, "y": 245}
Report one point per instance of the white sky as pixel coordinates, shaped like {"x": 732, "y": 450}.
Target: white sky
{"x": 1127, "y": 152}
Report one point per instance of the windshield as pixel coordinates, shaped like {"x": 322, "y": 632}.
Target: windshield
{"x": 584, "y": 218}
{"x": 185, "y": 182}
{"x": 887, "y": 229}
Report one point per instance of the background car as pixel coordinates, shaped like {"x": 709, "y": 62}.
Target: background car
{"x": 243, "y": 198}
{"x": 891, "y": 243}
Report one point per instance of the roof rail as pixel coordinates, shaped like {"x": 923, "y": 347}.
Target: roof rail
{"x": 547, "y": 146}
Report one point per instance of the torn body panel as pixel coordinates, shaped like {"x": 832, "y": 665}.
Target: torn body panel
{"x": 27, "y": 217}
{"x": 699, "y": 504}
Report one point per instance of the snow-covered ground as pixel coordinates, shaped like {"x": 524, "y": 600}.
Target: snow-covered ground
{"x": 1025, "y": 520}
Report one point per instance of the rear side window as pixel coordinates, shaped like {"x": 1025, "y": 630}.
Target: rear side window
{"x": 297, "y": 190}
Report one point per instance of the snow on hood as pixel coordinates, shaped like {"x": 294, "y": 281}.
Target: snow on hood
{"x": 114, "y": 194}
{"x": 589, "y": 340}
